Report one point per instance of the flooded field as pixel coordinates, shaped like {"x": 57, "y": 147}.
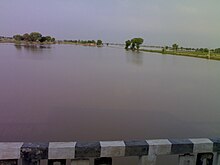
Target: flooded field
{"x": 67, "y": 93}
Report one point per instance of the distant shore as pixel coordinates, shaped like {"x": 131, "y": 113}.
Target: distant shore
{"x": 32, "y": 44}
{"x": 211, "y": 56}
{"x": 82, "y": 44}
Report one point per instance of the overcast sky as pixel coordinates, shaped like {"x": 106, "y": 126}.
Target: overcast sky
{"x": 190, "y": 23}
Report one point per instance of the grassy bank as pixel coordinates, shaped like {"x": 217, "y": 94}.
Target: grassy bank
{"x": 212, "y": 56}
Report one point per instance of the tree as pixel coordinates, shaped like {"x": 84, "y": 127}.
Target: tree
{"x": 43, "y": 39}
{"x": 127, "y": 44}
{"x": 48, "y": 38}
{"x": 175, "y": 47}
{"x": 52, "y": 39}
{"x": 132, "y": 46}
{"x": 26, "y": 37}
{"x": 201, "y": 49}
{"x": 18, "y": 37}
{"x": 206, "y": 50}
{"x": 217, "y": 50}
{"x": 35, "y": 36}
{"x": 99, "y": 42}
{"x": 136, "y": 42}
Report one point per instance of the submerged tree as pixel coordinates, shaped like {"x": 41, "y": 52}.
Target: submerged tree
{"x": 134, "y": 43}
{"x": 137, "y": 42}
{"x": 127, "y": 44}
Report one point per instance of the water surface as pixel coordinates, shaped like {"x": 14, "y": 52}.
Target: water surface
{"x": 67, "y": 93}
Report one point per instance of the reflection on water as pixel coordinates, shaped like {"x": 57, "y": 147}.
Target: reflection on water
{"x": 18, "y": 47}
{"x": 134, "y": 57}
{"x": 33, "y": 48}
{"x": 35, "y": 52}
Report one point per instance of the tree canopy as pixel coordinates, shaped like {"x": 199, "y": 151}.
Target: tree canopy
{"x": 99, "y": 42}
{"x": 217, "y": 50}
{"x": 134, "y": 43}
{"x": 127, "y": 44}
{"x": 175, "y": 47}
{"x": 33, "y": 37}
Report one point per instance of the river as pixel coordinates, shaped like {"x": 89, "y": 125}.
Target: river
{"x": 78, "y": 93}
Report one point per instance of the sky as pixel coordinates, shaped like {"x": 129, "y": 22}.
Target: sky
{"x": 189, "y": 23}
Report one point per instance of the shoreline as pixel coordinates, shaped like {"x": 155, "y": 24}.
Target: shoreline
{"x": 212, "y": 56}
{"x": 186, "y": 54}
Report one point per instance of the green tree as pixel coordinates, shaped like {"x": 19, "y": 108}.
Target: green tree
{"x": 217, "y": 50}
{"x": 163, "y": 50}
{"x": 136, "y": 42}
{"x": 99, "y": 42}
{"x": 206, "y": 50}
{"x": 43, "y": 39}
{"x": 127, "y": 44}
{"x": 18, "y": 37}
{"x": 35, "y": 36}
{"x": 175, "y": 47}
{"x": 48, "y": 38}
{"x": 53, "y": 40}
{"x": 132, "y": 46}
{"x": 26, "y": 37}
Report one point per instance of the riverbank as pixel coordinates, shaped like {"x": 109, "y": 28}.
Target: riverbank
{"x": 92, "y": 43}
{"x": 73, "y": 43}
{"x": 212, "y": 56}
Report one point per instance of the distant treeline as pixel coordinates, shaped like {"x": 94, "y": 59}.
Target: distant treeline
{"x": 84, "y": 42}
{"x": 217, "y": 50}
{"x": 4, "y": 39}
{"x": 81, "y": 41}
{"x": 204, "y": 50}
{"x": 33, "y": 37}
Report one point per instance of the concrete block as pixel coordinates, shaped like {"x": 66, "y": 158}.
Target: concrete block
{"x": 159, "y": 147}
{"x": 202, "y": 145}
{"x": 61, "y": 150}
{"x": 10, "y": 150}
{"x": 87, "y": 149}
{"x": 216, "y": 144}
{"x": 136, "y": 148}
{"x": 181, "y": 146}
{"x": 112, "y": 148}
{"x": 32, "y": 153}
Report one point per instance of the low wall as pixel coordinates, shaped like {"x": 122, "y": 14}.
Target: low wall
{"x": 190, "y": 151}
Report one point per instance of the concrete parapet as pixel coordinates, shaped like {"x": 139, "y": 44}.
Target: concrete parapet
{"x": 199, "y": 150}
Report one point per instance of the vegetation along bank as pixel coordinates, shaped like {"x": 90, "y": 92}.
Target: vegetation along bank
{"x": 214, "y": 54}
